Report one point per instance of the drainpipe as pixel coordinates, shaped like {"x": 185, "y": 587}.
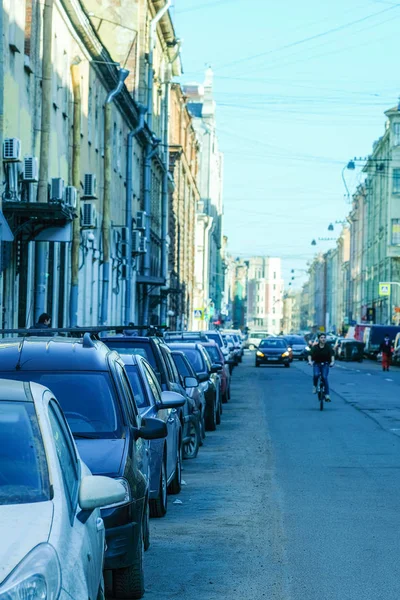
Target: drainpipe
{"x": 76, "y": 158}
{"x": 164, "y": 192}
{"x": 129, "y": 190}
{"x": 45, "y": 126}
{"x": 106, "y": 224}
{"x": 149, "y": 153}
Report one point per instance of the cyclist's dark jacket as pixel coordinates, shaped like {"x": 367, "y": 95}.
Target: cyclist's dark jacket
{"x": 321, "y": 355}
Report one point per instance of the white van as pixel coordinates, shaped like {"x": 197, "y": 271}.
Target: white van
{"x": 255, "y": 338}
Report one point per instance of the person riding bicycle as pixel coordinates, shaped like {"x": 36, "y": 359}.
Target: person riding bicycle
{"x": 321, "y": 357}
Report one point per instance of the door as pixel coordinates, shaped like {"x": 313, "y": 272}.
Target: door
{"x": 82, "y": 541}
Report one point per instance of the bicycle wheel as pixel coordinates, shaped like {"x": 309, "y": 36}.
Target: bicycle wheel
{"x": 321, "y": 396}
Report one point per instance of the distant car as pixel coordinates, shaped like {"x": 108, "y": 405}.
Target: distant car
{"x": 52, "y": 535}
{"x": 298, "y": 346}
{"x": 255, "y": 338}
{"x": 273, "y": 351}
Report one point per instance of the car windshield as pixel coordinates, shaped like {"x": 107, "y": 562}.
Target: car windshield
{"x": 133, "y": 346}
{"x": 24, "y": 474}
{"x": 295, "y": 340}
{"x": 195, "y": 358}
{"x": 273, "y": 343}
{"x": 213, "y": 353}
{"x": 87, "y": 399}
{"x": 136, "y": 384}
{"x": 215, "y": 337}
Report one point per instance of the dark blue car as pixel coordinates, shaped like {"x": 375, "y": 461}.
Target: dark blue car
{"x": 165, "y": 454}
{"x": 92, "y": 387}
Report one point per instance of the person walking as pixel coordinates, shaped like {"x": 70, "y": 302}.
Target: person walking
{"x": 386, "y": 349}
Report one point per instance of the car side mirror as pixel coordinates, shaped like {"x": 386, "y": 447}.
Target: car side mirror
{"x": 202, "y": 377}
{"x": 96, "y": 491}
{"x": 171, "y": 400}
{"x": 151, "y": 429}
{"x": 190, "y": 382}
{"x": 216, "y": 368}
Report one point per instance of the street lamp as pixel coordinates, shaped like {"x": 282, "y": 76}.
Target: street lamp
{"x": 351, "y": 165}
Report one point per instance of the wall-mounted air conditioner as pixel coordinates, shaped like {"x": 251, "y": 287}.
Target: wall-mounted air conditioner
{"x": 11, "y": 150}
{"x": 141, "y": 220}
{"x": 136, "y": 236}
{"x": 57, "y": 189}
{"x": 143, "y": 245}
{"x": 71, "y": 196}
{"x": 88, "y": 215}
{"x": 89, "y": 186}
{"x": 31, "y": 169}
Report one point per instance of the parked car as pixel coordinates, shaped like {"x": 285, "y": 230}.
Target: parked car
{"x": 349, "y": 349}
{"x": 273, "y": 351}
{"x": 298, "y": 346}
{"x": 91, "y": 384}
{"x": 49, "y": 502}
{"x": 336, "y": 347}
{"x": 216, "y": 337}
{"x": 255, "y": 337}
{"x": 196, "y": 394}
{"x": 165, "y": 456}
{"x": 157, "y": 353}
{"x": 217, "y": 358}
{"x": 233, "y": 347}
{"x": 207, "y": 374}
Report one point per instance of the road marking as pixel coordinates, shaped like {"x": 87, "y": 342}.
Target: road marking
{"x": 386, "y": 379}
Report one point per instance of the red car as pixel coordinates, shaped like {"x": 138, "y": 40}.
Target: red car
{"x": 217, "y": 357}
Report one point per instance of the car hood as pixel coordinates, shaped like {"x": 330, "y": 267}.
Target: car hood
{"x": 22, "y": 526}
{"x": 102, "y": 456}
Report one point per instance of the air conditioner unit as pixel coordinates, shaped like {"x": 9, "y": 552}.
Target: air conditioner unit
{"x": 71, "y": 196}
{"x": 11, "y": 150}
{"x": 89, "y": 186}
{"x": 143, "y": 245}
{"x": 124, "y": 272}
{"x": 124, "y": 235}
{"x": 88, "y": 215}
{"x": 31, "y": 169}
{"x": 57, "y": 189}
{"x": 136, "y": 235}
{"x": 141, "y": 220}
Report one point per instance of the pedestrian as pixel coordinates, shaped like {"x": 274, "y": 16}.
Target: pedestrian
{"x": 44, "y": 322}
{"x": 386, "y": 349}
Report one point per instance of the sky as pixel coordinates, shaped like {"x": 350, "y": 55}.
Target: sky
{"x": 301, "y": 88}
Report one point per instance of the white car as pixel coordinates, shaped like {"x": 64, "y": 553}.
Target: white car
{"x": 52, "y": 535}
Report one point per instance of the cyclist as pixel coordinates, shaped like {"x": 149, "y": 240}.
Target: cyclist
{"x": 321, "y": 357}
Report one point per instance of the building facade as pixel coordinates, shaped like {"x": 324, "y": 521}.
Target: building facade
{"x": 264, "y": 294}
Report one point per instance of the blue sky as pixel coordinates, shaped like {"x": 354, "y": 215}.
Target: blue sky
{"x": 301, "y": 88}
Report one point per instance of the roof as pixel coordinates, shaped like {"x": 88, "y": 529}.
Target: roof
{"x": 13, "y": 391}
{"x": 52, "y": 353}
{"x": 125, "y": 338}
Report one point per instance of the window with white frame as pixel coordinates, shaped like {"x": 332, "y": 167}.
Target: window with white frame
{"x": 395, "y": 232}
{"x": 396, "y": 181}
{"x": 396, "y": 134}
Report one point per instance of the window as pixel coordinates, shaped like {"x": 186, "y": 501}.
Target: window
{"x": 127, "y": 392}
{"x": 274, "y": 274}
{"x": 396, "y": 134}
{"x": 66, "y": 454}
{"x": 153, "y": 383}
{"x": 28, "y": 27}
{"x": 138, "y": 391}
{"x": 396, "y": 181}
{"x": 396, "y": 232}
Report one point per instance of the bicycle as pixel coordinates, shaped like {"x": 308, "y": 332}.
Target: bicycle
{"x": 321, "y": 392}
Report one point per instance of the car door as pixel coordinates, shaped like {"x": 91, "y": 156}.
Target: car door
{"x": 82, "y": 539}
{"x": 168, "y": 415}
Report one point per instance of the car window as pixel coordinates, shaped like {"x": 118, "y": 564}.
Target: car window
{"x": 213, "y": 353}
{"x": 139, "y": 393}
{"x": 24, "y": 476}
{"x": 205, "y": 357}
{"x": 215, "y": 337}
{"x": 195, "y": 358}
{"x": 183, "y": 365}
{"x": 66, "y": 454}
{"x": 173, "y": 374}
{"x": 153, "y": 383}
{"x": 127, "y": 391}
{"x": 134, "y": 346}
{"x": 87, "y": 399}
{"x": 273, "y": 343}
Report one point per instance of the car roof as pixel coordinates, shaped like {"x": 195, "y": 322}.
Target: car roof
{"x": 53, "y": 353}
{"x": 184, "y": 344}
{"x": 125, "y": 338}
{"x": 130, "y": 359}
{"x": 14, "y": 391}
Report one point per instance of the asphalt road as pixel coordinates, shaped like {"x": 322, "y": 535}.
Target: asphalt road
{"x": 286, "y": 502}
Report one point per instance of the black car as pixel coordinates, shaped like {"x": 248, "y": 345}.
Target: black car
{"x": 207, "y": 374}
{"x": 298, "y": 345}
{"x": 157, "y": 353}
{"x": 92, "y": 387}
{"x": 273, "y": 351}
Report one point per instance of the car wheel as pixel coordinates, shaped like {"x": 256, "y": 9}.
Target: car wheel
{"x": 257, "y": 364}
{"x": 128, "y": 583}
{"x": 176, "y": 484}
{"x": 225, "y": 397}
{"x": 158, "y": 506}
{"x": 218, "y": 415}
{"x": 287, "y": 365}
{"x": 191, "y": 448}
{"x": 146, "y": 527}
{"x": 202, "y": 429}
{"x": 211, "y": 418}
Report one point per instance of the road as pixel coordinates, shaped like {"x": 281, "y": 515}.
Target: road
{"x": 285, "y": 502}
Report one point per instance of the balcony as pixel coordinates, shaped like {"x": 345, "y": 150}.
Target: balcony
{"x": 40, "y": 221}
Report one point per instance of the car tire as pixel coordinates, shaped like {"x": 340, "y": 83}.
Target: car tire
{"x": 218, "y": 415}
{"x": 211, "y": 418}
{"x": 158, "y": 506}
{"x": 128, "y": 583}
{"x": 146, "y": 526}
{"x": 287, "y": 365}
{"x": 176, "y": 484}
{"x": 202, "y": 428}
{"x": 257, "y": 364}
{"x": 191, "y": 448}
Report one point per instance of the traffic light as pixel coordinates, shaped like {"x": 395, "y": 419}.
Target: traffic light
{"x": 371, "y": 314}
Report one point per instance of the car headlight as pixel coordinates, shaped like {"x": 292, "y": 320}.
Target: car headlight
{"x": 289, "y": 349}
{"x": 285, "y": 354}
{"x": 37, "y": 577}
{"x": 127, "y": 498}
{"x": 260, "y": 353}
{"x": 307, "y": 348}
